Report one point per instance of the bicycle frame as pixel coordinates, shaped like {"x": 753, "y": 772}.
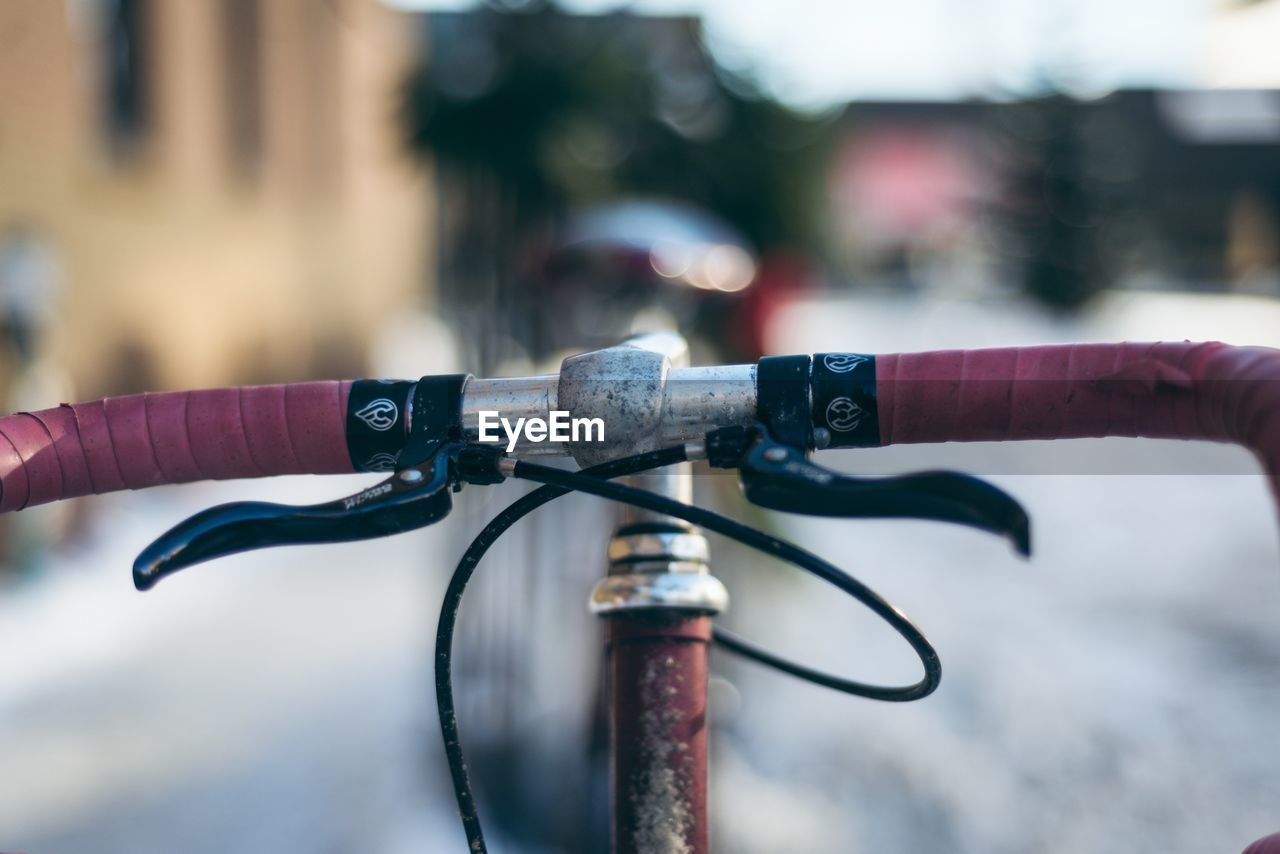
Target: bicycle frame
{"x": 657, "y": 680}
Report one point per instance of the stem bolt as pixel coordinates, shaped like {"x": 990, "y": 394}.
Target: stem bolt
{"x": 775, "y": 455}
{"x": 411, "y": 475}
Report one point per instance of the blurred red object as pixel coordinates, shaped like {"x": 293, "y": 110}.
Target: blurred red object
{"x": 894, "y": 184}
{"x": 784, "y": 275}
{"x": 1270, "y": 845}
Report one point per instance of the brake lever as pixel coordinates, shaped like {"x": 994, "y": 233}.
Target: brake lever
{"x": 780, "y": 477}
{"x": 413, "y": 497}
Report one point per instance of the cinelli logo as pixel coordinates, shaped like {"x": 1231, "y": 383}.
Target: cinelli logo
{"x": 843, "y": 415}
{"x": 382, "y": 461}
{"x": 379, "y": 414}
{"x": 842, "y": 363}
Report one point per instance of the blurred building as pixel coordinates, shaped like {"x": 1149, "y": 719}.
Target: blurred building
{"x": 1140, "y": 188}
{"x": 220, "y": 183}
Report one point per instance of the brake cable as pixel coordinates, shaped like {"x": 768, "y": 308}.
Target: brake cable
{"x": 595, "y": 481}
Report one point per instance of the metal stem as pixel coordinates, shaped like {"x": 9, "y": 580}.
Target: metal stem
{"x": 659, "y": 595}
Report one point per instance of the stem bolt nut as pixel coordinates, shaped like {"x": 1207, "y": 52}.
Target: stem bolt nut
{"x": 411, "y": 475}
{"x": 775, "y": 455}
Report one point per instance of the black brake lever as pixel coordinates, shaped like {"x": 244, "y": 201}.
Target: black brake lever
{"x": 779, "y": 477}
{"x": 411, "y": 498}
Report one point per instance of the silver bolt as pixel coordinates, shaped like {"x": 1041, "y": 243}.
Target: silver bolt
{"x": 821, "y": 437}
{"x": 775, "y": 455}
{"x": 411, "y": 475}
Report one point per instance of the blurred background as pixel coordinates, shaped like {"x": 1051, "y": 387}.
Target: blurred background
{"x": 237, "y": 191}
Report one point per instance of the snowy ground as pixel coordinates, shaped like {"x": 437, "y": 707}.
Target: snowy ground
{"x": 1116, "y": 694}
{"x": 276, "y": 704}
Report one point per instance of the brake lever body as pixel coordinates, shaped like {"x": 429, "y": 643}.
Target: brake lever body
{"x": 780, "y": 477}
{"x": 411, "y": 498}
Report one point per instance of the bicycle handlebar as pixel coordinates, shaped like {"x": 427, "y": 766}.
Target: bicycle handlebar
{"x": 145, "y": 440}
{"x": 1172, "y": 390}
{"x": 1208, "y": 391}
{"x": 759, "y": 419}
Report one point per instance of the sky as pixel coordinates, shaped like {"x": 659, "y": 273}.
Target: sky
{"x": 822, "y": 52}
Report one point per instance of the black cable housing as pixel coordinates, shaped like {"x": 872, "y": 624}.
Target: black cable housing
{"x": 466, "y": 567}
{"x": 594, "y": 481}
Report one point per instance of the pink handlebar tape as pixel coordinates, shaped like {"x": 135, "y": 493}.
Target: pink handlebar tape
{"x": 173, "y": 437}
{"x": 1178, "y": 391}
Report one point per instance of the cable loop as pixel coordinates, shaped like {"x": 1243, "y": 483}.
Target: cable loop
{"x": 595, "y": 481}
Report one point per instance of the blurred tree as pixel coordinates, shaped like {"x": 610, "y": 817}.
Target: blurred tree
{"x": 530, "y": 112}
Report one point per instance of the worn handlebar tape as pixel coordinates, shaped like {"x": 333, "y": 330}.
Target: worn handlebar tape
{"x": 1167, "y": 390}
{"x": 144, "y": 440}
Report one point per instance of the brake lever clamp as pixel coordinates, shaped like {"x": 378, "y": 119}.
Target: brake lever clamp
{"x": 779, "y": 476}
